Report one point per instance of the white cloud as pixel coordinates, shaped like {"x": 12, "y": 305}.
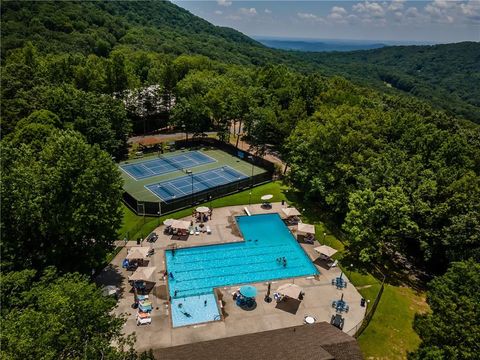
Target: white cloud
{"x": 339, "y": 10}
{"x": 412, "y": 13}
{"x": 248, "y": 11}
{"x": 369, "y": 9}
{"x": 218, "y": 12}
{"x": 438, "y": 11}
{"x": 471, "y": 10}
{"x": 268, "y": 11}
{"x": 338, "y": 15}
{"x": 396, "y": 5}
{"x": 224, "y": 2}
{"x": 307, "y": 16}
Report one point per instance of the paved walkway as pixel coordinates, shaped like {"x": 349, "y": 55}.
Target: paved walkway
{"x": 319, "y": 293}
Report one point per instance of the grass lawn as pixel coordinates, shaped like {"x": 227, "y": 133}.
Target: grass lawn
{"x": 389, "y": 334}
{"x": 135, "y": 226}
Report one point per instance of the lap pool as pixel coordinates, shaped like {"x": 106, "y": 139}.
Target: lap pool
{"x": 197, "y": 270}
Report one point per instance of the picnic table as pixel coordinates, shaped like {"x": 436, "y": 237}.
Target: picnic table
{"x": 339, "y": 282}
{"x": 340, "y": 305}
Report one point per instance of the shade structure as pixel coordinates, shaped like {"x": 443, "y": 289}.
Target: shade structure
{"x": 180, "y": 224}
{"x": 291, "y": 212}
{"x": 137, "y": 253}
{"x": 248, "y": 291}
{"x": 144, "y": 274}
{"x": 202, "y": 209}
{"x": 291, "y": 290}
{"x": 306, "y": 228}
{"x": 325, "y": 250}
{"x": 266, "y": 197}
{"x": 168, "y": 222}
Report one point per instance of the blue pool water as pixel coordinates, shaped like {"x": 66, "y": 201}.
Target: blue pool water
{"x": 197, "y": 270}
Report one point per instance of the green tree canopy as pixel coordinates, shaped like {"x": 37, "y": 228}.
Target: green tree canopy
{"x": 452, "y": 329}
{"x": 60, "y": 205}
{"x": 58, "y": 317}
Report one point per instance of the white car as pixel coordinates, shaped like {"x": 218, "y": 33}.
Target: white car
{"x": 143, "y": 318}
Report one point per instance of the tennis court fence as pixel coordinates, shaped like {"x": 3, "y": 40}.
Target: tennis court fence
{"x": 151, "y": 208}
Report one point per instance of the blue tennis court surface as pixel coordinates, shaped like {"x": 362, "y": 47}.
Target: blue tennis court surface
{"x": 166, "y": 164}
{"x": 182, "y": 186}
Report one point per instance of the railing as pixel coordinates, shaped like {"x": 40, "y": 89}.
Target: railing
{"x": 368, "y": 317}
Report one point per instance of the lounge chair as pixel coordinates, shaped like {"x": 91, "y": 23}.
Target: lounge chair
{"x": 333, "y": 264}
{"x": 192, "y": 231}
{"x": 209, "y": 231}
{"x": 197, "y": 232}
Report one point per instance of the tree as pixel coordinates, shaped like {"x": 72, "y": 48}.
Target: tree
{"x": 452, "y": 329}
{"x": 378, "y": 222}
{"x": 60, "y": 205}
{"x": 58, "y": 317}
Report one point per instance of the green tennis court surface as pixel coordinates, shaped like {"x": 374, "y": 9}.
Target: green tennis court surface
{"x": 139, "y": 189}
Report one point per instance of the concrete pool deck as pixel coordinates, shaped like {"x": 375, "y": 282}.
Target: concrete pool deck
{"x": 319, "y": 293}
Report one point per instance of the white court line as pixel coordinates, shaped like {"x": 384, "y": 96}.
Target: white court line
{"x": 126, "y": 172}
{"x": 158, "y": 196}
{"x": 178, "y": 188}
{"x": 201, "y": 152}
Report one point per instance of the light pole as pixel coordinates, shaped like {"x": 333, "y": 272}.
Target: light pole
{"x": 350, "y": 274}
{"x": 186, "y": 135}
{"x": 189, "y": 172}
{"x": 324, "y": 237}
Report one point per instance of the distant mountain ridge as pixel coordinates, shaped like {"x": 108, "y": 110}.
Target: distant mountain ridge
{"x": 318, "y": 46}
{"x": 448, "y": 75}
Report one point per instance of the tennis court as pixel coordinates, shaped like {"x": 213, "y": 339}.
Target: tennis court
{"x": 166, "y": 164}
{"x": 182, "y": 186}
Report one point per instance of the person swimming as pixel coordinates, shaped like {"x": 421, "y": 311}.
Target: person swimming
{"x": 171, "y": 275}
{"x": 186, "y": 314}
{"x": 180, "y": 305}
{"x": 205, "y": 303}
{"x": 175, "y": 293}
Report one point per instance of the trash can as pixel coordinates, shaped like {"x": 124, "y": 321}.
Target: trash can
{"x": 362, "y": 302}
{"x": 138, "y": 241}
{"x": 283, "y": 202}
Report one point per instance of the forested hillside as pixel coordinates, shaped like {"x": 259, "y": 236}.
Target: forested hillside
{"x": 399, "y": 176}
{"x": 448, "y": 76}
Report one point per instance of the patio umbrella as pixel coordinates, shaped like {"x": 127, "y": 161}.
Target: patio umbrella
{"x": 167, "y": 222}
{"x": 306, "y": 228}
{"x": 143, "y": 274}
{"x": 266, "y": 197}
{"x": 179, "y": 224}
{"x": 291, "y": 290}
{"x": 138, "y": 253}
{"x": 248, "y": 291}
{"x": 291, "y": 212}
{"x": 325, "y": 250}
{"x": 202, "y": 209}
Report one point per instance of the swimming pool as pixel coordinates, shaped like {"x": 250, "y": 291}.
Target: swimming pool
{"x": 197, "y": 270}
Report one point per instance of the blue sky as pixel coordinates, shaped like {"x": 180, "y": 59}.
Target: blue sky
{"x": 438, "y": 21}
